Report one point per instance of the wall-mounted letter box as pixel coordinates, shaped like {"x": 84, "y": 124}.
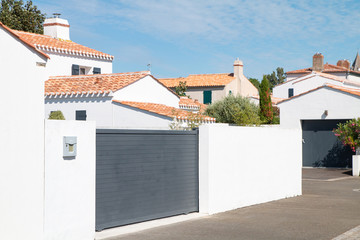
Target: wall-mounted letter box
{"x": 70, "y": 144}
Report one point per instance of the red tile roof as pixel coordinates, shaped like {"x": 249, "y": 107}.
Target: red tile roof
{"x": 325, "y": 75}
{"x": 189, "y": 103}
{"x": 165, "y": 110}
{"x": 328, "y": 68}
{"x": 353, "y": 91}
{"x": 18, "y": 36}
{"x": 91, "y": 84}
{"x": 47, "y": 43}
{"x": 200, "y": 80}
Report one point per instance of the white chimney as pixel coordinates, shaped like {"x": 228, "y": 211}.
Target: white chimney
{"x": 238, "y": 68}
{"x": 57, "y": 27}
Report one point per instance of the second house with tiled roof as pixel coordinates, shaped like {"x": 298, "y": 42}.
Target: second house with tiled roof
{"x": 134, "y": 100}
{"x": 208, "y": 88}
{"x": 65, "y": 57}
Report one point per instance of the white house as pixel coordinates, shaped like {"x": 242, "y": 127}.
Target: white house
{"x": 22, "y": 137}
{"x": 342, "y": 69}
{"x": 317, "y": 112}
{"x": 208, "y": 88}
{"x": 307, "y": 82}
{"x": 65, "y": 57}
{"x": 120, "y": 100}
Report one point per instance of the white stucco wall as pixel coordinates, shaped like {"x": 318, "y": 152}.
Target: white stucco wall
{"x": 22, "y": 140}
{"x": 303, "y": 84}
{"x": 69, "y": 182}
{"x": 198, "y": 93}
{"x": 134, "y": 118}
{"x": 60, "y": 64}
{"x": 149, "y": 90}
{"x": 99, "y": 109}
{"x": 243, "y": 166}
{"x": 312, "y": 106}
{"x": 106, "y": 113}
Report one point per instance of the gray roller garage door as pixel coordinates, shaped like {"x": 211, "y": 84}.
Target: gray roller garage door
{"x": 321, "y": 148}
{"x": 144, "y": 174}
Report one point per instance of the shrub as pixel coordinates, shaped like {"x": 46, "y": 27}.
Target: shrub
{"x": 231, "y": 109}
{"x": 56, "y": 115}
{"x": 349, "y": 133}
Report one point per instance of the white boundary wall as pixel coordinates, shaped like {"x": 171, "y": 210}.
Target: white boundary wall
{"x": 69, "y": 183}
{"x": 243, "y": 166}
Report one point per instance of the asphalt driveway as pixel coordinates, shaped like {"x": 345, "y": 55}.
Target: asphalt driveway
{"x": 329, "y": 206}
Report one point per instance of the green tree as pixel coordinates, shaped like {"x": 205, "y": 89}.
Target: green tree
{"x": 255, "y": 82}
{"x": 181, "y": 89}
{"x": 56, "y": 115}
{"x": 234, "y": 109}
{"x": 276, "y": 78}
{"x": 266, "y": 111}
{"x": 19, "y": 16}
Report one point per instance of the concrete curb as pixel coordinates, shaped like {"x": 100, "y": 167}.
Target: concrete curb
{"x": 114, "y": 232}
{"x": 353, "y": 234}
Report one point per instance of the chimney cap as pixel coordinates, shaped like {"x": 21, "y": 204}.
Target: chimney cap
{"x": 238, "y": 62}
{"x": 56, "y": 15}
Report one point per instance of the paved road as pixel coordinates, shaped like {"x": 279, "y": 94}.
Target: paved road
{"x": 328, "y": 208}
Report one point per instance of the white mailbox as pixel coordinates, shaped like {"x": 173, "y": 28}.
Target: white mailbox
{"x": 69, "y": 146}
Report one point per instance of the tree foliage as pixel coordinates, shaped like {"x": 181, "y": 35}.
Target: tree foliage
{"x": 266, "y": 111}
{"x": 255, "y": 82}
{"x": 56, "y": 115}
{"x": 276, "y": 78}
{"x": 19, "y": 16}
{"x": 181, "y": 89}
{"x": 234, "y": 109}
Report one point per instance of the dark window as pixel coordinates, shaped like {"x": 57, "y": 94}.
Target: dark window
{"x": 75, "y": 69}
{"x": 207, "y": 97}
{"x": 96, "y": 70}
{"x": 291, "y": 92}
{"x": 81, "y": 115}
{"x": 82, "y": 71}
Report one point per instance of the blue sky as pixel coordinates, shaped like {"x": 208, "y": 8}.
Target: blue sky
{"x": 206, "y": 36}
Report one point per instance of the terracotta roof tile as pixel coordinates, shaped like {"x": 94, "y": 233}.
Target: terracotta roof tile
{"x": 328, "y": 68}
{"x": 90, "y": 84}
{"x": 15, "y": 34}
{"x": 325, "y": 75}
{"x": 200, "y": 80}
{"x": 165, "y": 110}
{"x": 47, "y": 43}
{"x": 188, "y": 103}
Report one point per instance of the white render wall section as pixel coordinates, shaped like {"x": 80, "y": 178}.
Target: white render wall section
{"x": 69, "y": 182}
{"x": 243, "y": 166}
{"x": 304, "y": 84}
{"x": 134, "y": 118}
{"x": 148, "y": 90}
{"x": 311, "y": 106}
{"x": 97, "y": 109}
{"x": 106, "y": 113}
{"x": 60, "y": 64}
{"x": 22, "y": 140}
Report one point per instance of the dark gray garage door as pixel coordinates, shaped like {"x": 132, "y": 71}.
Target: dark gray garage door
{"x": 145, "y": 174}
{"x": 321, "y": 148}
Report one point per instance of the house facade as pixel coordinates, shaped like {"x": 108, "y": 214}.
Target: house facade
{"x": 121, "y": 100}
{"x": 342, "y": 69}
{"x": 65, "y": 56}
{"x": 22, "y": 127}
{"x": 208, "y": 88}
{"x": 317, "y": 112}
{"x": 309, "y": 81}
